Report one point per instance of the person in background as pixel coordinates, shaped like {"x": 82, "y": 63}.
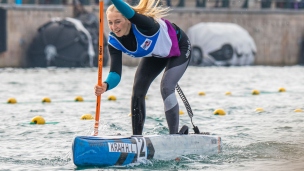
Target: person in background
{"x": 225, "y": 3}
{"x": 266, "y": 3}
{"x": 301, "y": 4}
{"x": 141, "y": 32}
{"x": 78, "y": 9}
{"x": 296, "y": 4}
{"x": 245, "y": 4}
{"x": 181, "y": 3}
{"x": 200, "y": 3}
{"x": 168, "y": 3}
{"x": 290, "y": 4}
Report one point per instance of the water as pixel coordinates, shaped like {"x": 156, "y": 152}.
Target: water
{"x": 269, "y": 140}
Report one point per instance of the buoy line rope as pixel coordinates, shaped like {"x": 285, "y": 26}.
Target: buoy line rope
{"x": 188, "y": 107}
{"x": 59, "y": 101}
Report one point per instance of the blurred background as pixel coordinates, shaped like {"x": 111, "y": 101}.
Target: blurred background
{"x": 64, "y": 33}
{"x": 48, "y": 50}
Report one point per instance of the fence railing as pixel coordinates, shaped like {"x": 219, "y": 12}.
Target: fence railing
{"x": 250, "y": 4}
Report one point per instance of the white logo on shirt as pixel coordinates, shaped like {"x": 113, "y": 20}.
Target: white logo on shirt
{"x": 147, "y": 43}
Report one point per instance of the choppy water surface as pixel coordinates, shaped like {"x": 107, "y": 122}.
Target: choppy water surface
{"x": 269, "y": 140}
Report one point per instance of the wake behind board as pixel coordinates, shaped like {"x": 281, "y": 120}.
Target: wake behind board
{"x": 119, "y": 150}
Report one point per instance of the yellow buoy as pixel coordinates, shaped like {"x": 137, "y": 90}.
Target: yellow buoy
{"x": 112, "y": 97}
{"x": 130, "y": 114}
{"x": 259, "y": 109}
{"x": 11, "y": 101}
{"x": 255, "y": 92}
{"x": 201, "y": 93}
{"x": 87, "y": 117}
{"x": 282, "y": 89}
{"x": 38, "y": 120}
{"x": 181, "y": 112}
{"x": 78, "y": 99}
{"x": 228, "y": 93}
{"x": 46, "y": 100}
{"x": 219, "y": 112}
{"x": 298, "y": 110}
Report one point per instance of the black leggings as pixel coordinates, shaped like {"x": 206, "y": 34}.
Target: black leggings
{"x": 148, "y": 69}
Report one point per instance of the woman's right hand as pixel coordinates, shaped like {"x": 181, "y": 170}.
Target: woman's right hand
{"x": 100, "y": 89}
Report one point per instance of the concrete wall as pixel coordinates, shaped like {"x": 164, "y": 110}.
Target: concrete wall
{"x": 277, "y": 33}
{"x": 22, "y": 24}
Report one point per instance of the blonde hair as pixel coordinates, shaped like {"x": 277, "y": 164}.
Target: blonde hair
{"x": 150, "y": 8}
{"x": 111, "y": 8}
